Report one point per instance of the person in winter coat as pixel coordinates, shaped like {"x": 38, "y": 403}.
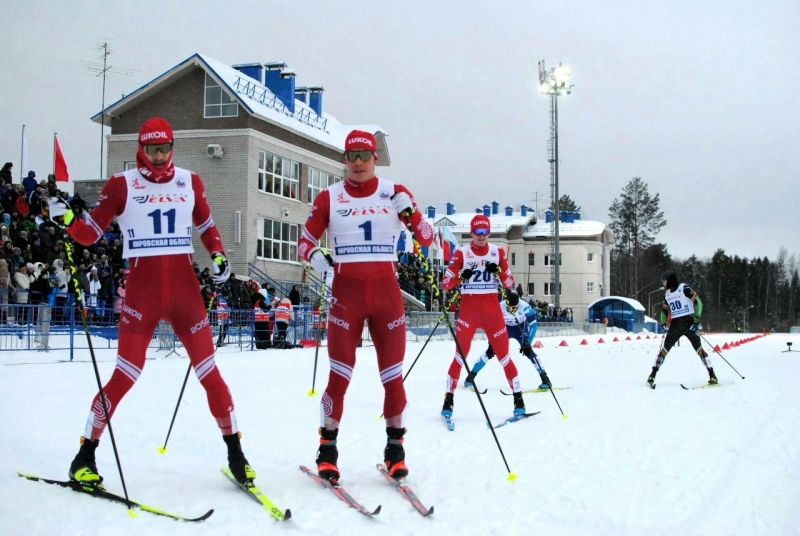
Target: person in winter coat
{"x": 29, "y": 183}
{"x": 284, "y": 315}
{"x": 5, "y": 289}
{"x": 6, "y": 174}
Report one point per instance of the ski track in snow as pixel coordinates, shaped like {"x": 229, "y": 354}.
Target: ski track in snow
{"x": 628, "y": 460}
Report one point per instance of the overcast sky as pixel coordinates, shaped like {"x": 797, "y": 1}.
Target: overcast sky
{"x": 700, "y": 99}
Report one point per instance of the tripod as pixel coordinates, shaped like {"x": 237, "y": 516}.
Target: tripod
{"x": 789, "y": 348}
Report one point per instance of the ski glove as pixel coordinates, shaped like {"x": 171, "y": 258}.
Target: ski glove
{"x": 222, "y": 270}
{"x": 694, "y": 327}
{"x": 58, "y": 207}
{"x": 402, "y": 204}
{"x": 492, "y": 268}
{"x": 466, "y": 274}
{"x": 320, "y": 260}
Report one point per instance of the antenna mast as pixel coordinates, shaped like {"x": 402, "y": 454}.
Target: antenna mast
{"x": 100, "y": 70}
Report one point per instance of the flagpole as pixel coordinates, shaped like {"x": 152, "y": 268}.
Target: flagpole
{"x": 21, "y": 152}
{"x": 55, "y": 139}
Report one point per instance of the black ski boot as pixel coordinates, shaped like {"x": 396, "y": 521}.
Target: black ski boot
{"x": 328, "y": 455}
{"x": 237, "y": 463}
{"x": 519, "y": 405}
{"x": 83, "y": 468}
{"x": 545, "y": 381}
{"x": 447, "y": 407}
{"x": 652, "y": 378}
{"x": 394, "y": 455}
{"x": 712, "y": 378}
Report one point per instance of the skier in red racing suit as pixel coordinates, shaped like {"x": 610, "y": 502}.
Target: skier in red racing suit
{"x": 156, "y": 206}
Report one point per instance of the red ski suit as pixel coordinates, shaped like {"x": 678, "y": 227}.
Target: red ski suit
{"x": 158, "y": 287}
{"x": 480, "y": 309}
{"x": 363, "y": 291}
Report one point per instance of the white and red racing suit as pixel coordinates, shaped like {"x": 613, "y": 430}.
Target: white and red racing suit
{"x": 363, "y": 229}
{"x": 480, "y": 307}
{"x": 156, "y": 220}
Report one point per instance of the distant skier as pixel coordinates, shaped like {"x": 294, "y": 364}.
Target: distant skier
{"x": 682, "y": 309}
{"x": 521, "y": 322}
{"x": 156, "y": 205}
{"x": 479, "y": 267}
{"x": 363, "y": 216}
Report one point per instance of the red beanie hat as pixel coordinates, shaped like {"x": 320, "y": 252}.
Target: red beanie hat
{"x": 359, "y": 140}
{"x": 154, "y": 131}
{"x": 480, "y": 222}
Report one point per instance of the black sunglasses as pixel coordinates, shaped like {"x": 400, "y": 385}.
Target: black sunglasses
{"x": 365, "y": 156}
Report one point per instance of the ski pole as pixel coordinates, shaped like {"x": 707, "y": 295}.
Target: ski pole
{"x": 84, "y": 314}
{"x": 722, "y": 356}
{"x": 534, "y": 360}
{"x": 435, "y": 288}
{"x": 430, "y": 335}
{"x": 163, "y": 448}
{"x": 322, "y": 314}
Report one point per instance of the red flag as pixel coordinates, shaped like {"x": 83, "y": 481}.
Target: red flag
{"x": 60, "y": 167}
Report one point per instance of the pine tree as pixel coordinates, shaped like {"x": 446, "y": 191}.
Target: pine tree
{"x": 636, "y": 218}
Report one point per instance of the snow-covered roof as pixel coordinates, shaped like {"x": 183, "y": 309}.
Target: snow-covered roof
{"x": 577, "y": 228}
{"x": 259, "y": 101}
{"x": 501, "y": 223}
{"x": 630, "y": 301}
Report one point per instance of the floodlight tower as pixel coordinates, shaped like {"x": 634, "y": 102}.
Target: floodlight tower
{"x": 555, "y": 82}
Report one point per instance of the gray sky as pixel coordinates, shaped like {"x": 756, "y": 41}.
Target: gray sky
{"x": 700, "y": 99}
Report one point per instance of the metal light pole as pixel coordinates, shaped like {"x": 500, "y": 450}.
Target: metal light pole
{"x": 555, "y": 82}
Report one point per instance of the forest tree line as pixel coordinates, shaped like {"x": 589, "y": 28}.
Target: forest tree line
{"x": 738, "y": 294}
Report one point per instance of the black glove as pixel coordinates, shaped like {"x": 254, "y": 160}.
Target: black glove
{"x": 526, "y": 349}
{"x": 694, "y": 327}
{"x": 492, "y": 268}
{"x": 466, "y": 274}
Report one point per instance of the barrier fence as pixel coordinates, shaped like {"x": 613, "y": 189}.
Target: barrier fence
{"x": 47, "y": 328}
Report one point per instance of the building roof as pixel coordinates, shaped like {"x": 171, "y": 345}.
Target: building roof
{"x": 459, "y": 223}
{"x": 258, "y": 100}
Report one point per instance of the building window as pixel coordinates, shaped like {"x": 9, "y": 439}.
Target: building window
{"x": 531, "y": 259}
{"x": 548, "y": 260}
{"x": 318, "y": 181}
{"x": 278, "y": 175}
{"x": 589, "y": 286}
{"x": 513, "y": 259}
{"x": 549, "y": 287}
{"x": 218, "y": 103}
{"x": 127, "y": 166}
{"x": 530, "y": 289}
{"x": 590, "y": 257}
{"x": 277, "y": 241}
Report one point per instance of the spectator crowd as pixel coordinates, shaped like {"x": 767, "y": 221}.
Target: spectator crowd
{"x": 33, "y": 256}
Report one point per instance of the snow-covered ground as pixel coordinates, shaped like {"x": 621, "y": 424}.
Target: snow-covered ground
{"x": 628, "y": 460}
